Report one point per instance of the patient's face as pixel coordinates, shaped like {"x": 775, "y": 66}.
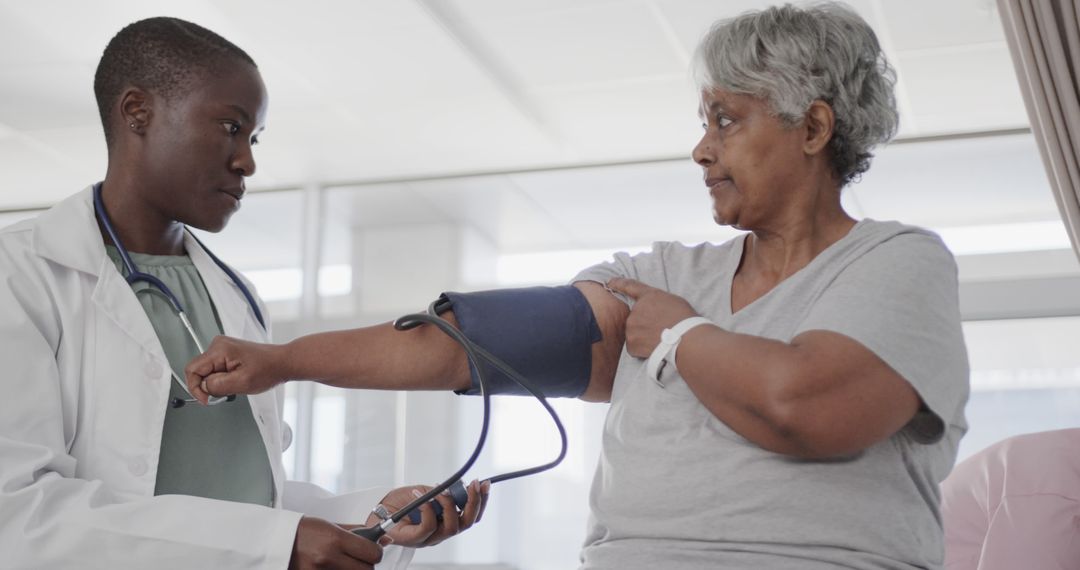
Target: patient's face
{"x": 751, "y": 160}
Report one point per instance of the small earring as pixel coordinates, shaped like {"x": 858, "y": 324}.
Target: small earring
{"x": 132, "y": 125}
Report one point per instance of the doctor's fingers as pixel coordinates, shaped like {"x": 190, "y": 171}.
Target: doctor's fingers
{"x": 455, "y": 522}
{"x": 450, "y": 523}
{"x": 483, "y": 489}
{"x": 474, "y": 507}
{"x": 361, "y": 553}
{"x": 322, "y": 544}
{"x": 415, "y": 535}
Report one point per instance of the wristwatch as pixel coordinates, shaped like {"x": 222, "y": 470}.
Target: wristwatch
{"x": 663, "y": 354}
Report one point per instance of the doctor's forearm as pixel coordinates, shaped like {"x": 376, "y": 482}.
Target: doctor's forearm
{"x": 378, "y": 357}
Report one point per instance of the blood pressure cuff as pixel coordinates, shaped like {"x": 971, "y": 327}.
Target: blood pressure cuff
{"x": 544, "y": 333}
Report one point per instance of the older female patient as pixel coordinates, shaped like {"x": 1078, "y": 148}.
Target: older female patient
{"x": 788, "y": 399}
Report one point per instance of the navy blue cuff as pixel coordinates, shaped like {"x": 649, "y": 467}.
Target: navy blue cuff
{"x": 544, "y": 333}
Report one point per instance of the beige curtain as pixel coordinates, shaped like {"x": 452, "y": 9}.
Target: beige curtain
{"x": 1044, "y": 38}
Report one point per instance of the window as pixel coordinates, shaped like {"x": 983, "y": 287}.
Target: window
{"x": 263, "y": 240}
{"x": 1025, "y": 377}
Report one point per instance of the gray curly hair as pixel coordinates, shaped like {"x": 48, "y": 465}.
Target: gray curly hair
{"x": 791, "y": 56}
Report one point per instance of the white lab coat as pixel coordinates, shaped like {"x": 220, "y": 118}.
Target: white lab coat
{"x": 83, "y": 389}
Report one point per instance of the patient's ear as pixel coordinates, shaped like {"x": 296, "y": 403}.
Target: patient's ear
{"x": 819, "y": 121}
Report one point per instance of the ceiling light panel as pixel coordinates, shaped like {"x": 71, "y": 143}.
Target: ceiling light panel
{"x": 964, "y": 89}
{"x": 923, "y": 24}
{"x": 596, "y": 41}
{"x": 495, "y": 207}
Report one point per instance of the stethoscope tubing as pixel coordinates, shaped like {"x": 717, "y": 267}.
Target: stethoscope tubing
{"x": 159, "y": 287}
{"x": 134, "y": 275}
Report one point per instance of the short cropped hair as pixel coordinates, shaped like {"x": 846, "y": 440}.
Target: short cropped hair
{"x": 162, "y": 55}
{"x": 791, "y": 56}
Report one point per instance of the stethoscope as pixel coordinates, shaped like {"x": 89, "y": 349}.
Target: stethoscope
{"x": 475, "y": 354}
{"x": 157, "y": 286}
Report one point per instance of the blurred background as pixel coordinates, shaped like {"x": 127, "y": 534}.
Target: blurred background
{"x": 418, "y": 146}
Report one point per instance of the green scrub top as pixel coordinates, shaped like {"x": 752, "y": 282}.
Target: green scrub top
{"x": 215, "y": 451}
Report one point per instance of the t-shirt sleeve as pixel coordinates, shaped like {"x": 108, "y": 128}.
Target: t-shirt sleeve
{"x": 901, "y": 301}
{"x": 647, "y": 267}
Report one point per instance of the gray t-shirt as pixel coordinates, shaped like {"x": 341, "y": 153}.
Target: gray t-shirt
{"x": 677, "y": 488}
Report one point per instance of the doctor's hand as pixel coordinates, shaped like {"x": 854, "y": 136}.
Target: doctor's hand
{"x": 431, "y": 531}
{"x": 654, "y": 310}
{"x": 322, "y": 544}
{"x": 234, "y": 366}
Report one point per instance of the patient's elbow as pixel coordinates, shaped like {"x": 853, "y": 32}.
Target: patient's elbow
{"x": 802, "y": 429}
{"x": 802, "y": 435}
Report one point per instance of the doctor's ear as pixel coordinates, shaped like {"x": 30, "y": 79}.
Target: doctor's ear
{"x": 135, "y": 109}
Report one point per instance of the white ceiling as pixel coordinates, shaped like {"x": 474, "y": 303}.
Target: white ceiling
{"x": 403, "y": 89}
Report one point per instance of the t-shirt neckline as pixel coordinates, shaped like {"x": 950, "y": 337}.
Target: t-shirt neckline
{"x": 736, "y": 258}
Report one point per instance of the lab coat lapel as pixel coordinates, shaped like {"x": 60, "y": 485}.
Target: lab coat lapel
{"x": 114, "y": 298}
{"x": 68, "y": 234}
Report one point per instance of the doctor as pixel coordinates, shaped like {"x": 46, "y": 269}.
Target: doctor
{"x": 99, "y": 466}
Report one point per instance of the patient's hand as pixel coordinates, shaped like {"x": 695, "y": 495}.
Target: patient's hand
{"x": 654, "y": 310}
{"x": 234, "y": 366}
